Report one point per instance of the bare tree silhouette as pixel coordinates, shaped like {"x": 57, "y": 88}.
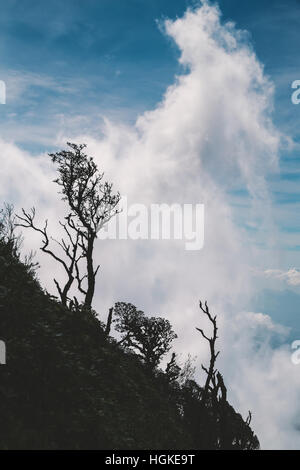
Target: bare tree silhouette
{"x": 91, "y": 202}
{"x": 91, "y": 205}
{"x": 69, "y": 245}
{"x": 231, "y": 434}
{"x": 210, "y": 371}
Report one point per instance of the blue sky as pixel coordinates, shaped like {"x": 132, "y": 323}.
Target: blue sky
{"x": 110, "y": 55}
{"x": 68, "y": 63}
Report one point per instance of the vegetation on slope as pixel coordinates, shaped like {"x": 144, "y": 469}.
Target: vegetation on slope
{"x": 67, "y": 385}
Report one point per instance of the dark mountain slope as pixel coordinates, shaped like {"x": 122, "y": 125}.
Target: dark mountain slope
{"x": 67, "y": 386}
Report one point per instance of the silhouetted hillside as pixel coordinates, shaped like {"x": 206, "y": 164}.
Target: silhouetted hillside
{"x": 66, "y": 385}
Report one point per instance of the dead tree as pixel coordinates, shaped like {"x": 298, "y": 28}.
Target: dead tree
{"x": 7, "y": 228}
{"x": 214, "y": 399}
{"x": 69, "y": 246}
{"x": 92, "y": 204}
{"x": 8, "y": 224}
{"x": 109, "y": 321}
{"x": 210, "y": 382}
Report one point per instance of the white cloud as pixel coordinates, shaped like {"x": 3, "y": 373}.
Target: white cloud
{"x": 268, "y": 376}
{"x": 292, "y": 276}
{"x": 212, "y": 129}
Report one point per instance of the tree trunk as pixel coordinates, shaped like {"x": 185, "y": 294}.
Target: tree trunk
{"x": 90, "y": 273}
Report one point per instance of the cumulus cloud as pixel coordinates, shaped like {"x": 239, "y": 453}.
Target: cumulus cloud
{"x": 211, "y": 131}
{"x": 292, "y": 276}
